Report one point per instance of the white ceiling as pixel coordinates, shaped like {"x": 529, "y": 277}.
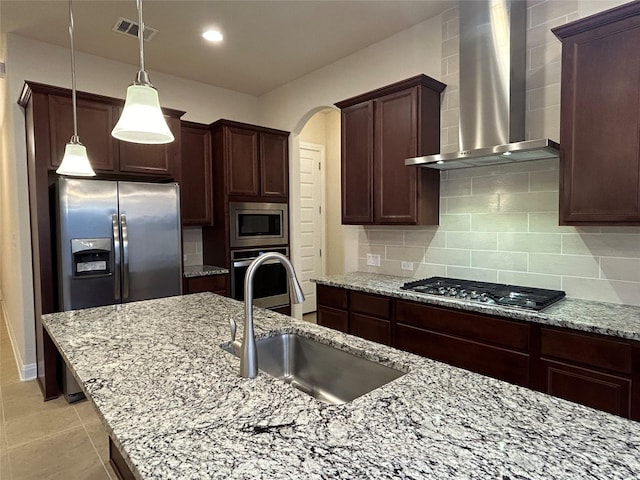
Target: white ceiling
{"x": 267, "y": 43}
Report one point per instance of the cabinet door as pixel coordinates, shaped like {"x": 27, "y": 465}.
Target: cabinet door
{"x": 95, "y": 122}
{"x": 242, "y": 161}
{"x": 495, "y": 362}
{"x": 333, "y": 318}
{"x": 357, "y": 164}
{"x": 274, "y": 165}
{"x": 196, "y": 182}
{"x": 160, "y": 160}
{"x": 396, "y": 139}
{"x": 600, "y": 121}
{"x": 371, "y": 328}
{"x": 609, "y": 393}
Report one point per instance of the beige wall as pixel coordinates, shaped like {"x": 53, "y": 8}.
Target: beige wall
{"x": 28, "y": 59}
{"x": 501, "y": 223}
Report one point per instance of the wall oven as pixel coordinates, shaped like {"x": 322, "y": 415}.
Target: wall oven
{"x": 270, "y": 284}
{"x": 254, "y": 224}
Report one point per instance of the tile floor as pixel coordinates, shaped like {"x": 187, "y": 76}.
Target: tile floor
{"x": 46, "y": 440}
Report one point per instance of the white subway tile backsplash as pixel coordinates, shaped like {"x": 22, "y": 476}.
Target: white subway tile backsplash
{"x": 383, "y": 237}
{"x": 448, "y": 256}
{"x": 553, "y": 282}
{"x": 473, "y": 204}
{"x": 547, "y": 222}
{"x": 602, "y": 290}
{"x": 455, "y": 223}
{"x": 547, "y": 96}
{"x": 530, "y": 242}
{"x": 472, "y": 240}
{"x": 424, "y": 238}
{"x": 472, "y": 274}
{"x": 514, "y": 182}
{"x": 547, "y": 181}
{"x": 455, "y": 187}
{"x": 544, "y": 75}
{"x": 408, "y": 254}
{"x": 499, "y": 222}
{"x": 607, "y": 245}
{"x": 426, "y": 270}
{"x": 499, "y": 260}
{"x": 626, "y": 269}
{"x": 543, "y": 123}
{"x": 556, "y": 264}
{"x": 545, "y": 54}
{"x": 528, "y": 202}
{"x": 546, "y": 12}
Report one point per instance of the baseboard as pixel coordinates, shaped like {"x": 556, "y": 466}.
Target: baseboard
{"x": 26, "y": 372}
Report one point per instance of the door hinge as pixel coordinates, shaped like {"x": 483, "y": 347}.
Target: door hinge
{"x": 321, "y": 253}
{"x": 319, "y": 166}
{"x": 320, "y": 209}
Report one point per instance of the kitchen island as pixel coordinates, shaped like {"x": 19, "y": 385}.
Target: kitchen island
{"x": 175, "y": 407}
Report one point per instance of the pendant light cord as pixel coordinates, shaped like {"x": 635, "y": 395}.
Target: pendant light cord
{"x": 75, "y": 138}
{"x": 140, "y": 34}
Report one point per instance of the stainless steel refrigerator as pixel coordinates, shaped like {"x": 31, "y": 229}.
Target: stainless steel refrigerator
{"x": 117, "y": 242}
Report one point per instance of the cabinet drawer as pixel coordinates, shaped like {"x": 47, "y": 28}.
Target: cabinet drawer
{"x": 212, "y": 283}
{"x": 332, "y": 297}
{"x": 594, "y": 389}
{"x": 372, "y": 305}
{"x": 586, "y": 349}
{"x": 373, "y": 329}
{"x": 495, "y": 362}
{"x": 332, "y": 318}
{"x": 506, "y": 333}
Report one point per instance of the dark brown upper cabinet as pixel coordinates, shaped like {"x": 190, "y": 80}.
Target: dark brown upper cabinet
{"x": 97, "y": 115}
{"x": 380, "y": 129}
{"x": 196, "y": 186}
{"x": 254, "y": 161}
{"x": 600, "y": 119}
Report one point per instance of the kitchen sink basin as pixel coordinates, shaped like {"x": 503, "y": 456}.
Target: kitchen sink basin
{"x": 326, "y": 373}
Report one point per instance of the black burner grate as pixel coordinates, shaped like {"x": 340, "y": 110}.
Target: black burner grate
{"x": 486, "y": 292}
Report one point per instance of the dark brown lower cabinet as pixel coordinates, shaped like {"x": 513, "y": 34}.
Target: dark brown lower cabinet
{"x": 117, "y": 462}
{"x": 610, "y": 393}
{"x": 595, "y": 370}
{"x": 333, "y": 318}
{"x": 213, "y": 283}
{"x": 496, "y": 362}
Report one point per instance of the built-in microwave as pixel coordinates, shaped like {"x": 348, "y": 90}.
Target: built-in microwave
{"x": 258, "y": 224}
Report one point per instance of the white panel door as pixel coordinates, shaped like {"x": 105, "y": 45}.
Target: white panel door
{"x": 311, "y": 221}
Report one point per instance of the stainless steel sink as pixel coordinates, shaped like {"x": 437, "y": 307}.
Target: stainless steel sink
{"x": 326, "y": 373}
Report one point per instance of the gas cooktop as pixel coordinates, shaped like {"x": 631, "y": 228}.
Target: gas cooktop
{"x": 487, "y": 293}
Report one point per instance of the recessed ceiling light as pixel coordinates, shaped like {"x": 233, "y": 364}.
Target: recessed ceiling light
{"x": 212, "y": 36}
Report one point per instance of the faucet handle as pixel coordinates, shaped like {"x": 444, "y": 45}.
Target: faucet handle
{"x": 234, "y": 327}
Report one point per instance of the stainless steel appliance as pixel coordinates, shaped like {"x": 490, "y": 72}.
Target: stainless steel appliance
{"x": 117, "y": 242}
{"x": 270, "y": 284}
{"x": 258, "y": 224}
{"x": 492, "y": 90}
{"x": 485, "y": 292}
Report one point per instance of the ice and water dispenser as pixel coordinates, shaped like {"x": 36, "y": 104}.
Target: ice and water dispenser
{"x": 91, "y": 256}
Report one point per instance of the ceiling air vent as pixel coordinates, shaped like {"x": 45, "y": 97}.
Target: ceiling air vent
{"x": 129, "y": 27}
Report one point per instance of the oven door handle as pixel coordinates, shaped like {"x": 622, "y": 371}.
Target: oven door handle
{"x": 246, "y": 263}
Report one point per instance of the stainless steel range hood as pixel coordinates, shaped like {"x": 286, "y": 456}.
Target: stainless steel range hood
{"x": 492, "y": 89}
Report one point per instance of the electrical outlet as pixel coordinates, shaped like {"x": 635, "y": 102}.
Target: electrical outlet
{"x": 184, "y": 257}
{"x": 407, "y": 266}
{"x": 373, "y": 260}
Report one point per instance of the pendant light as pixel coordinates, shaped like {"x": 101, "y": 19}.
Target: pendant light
{"x": 75, "y": 161}
{"x": 142, "y": 120}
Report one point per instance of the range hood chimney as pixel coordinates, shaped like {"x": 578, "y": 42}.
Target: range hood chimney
{"x": 492, "y": 89}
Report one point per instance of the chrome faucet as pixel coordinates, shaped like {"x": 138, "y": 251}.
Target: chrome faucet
{"x": 249, "y": 353}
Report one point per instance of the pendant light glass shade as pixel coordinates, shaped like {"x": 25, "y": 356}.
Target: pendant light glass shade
{"x": 142, "y": 120}
{"x": 75, "y": 161}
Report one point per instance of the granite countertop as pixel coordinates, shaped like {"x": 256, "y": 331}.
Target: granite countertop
{"x": 176, "y": 408}
{"x": 203, "y": 271}
{"x": 611, "y": 319}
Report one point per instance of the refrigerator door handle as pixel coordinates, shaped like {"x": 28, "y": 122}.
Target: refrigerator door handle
{"x": 116, "y": 254}
{"x": 125, "y": 256}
